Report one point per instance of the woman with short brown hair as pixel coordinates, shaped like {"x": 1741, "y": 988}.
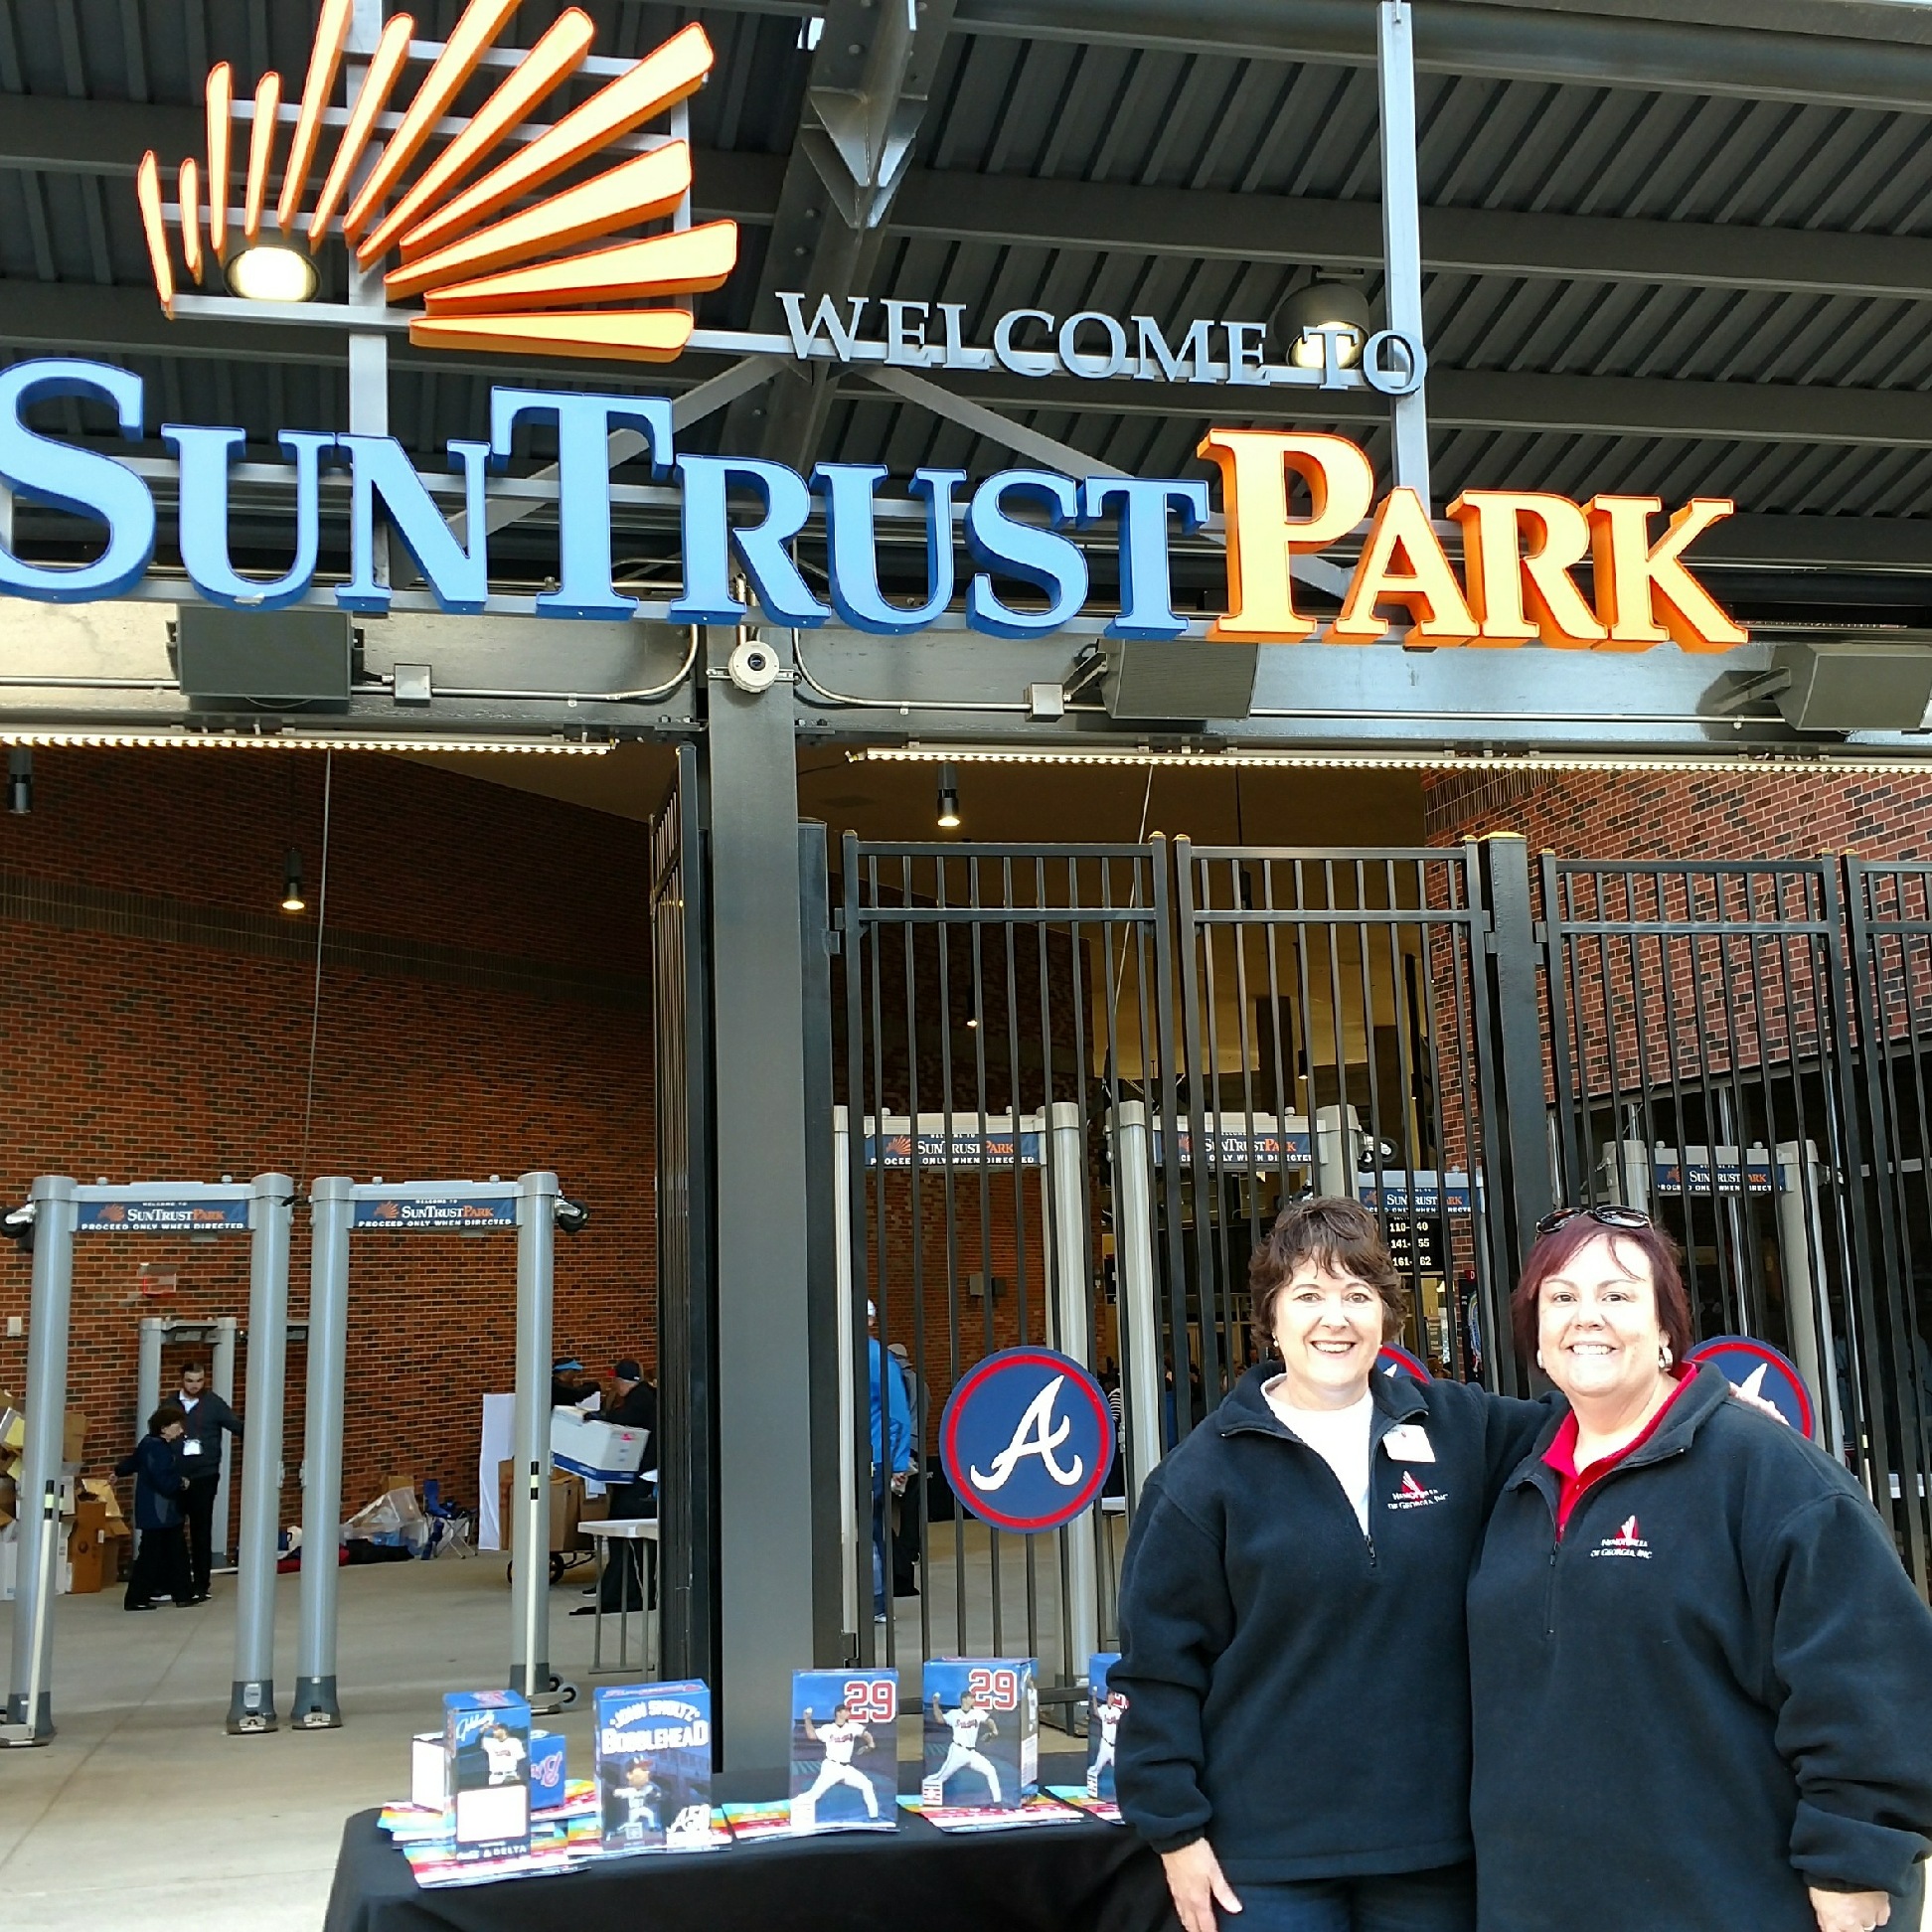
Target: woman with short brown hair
{"x": 1296, "y": 1739}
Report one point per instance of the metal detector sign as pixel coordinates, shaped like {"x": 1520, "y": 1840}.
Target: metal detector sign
{"x": 966, "y": 1147}
{"x": 1026, "y": 1439}
{"x": 1727, "y": 1177}
{"x": 461, "y": 1214}
{"x": 162, "y": 1216}
{"x": 1239, "y": 1149}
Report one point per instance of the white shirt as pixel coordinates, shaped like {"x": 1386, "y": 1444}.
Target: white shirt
{"x": 1338, "y": 1436}
{"x": 839, "y": 1740}
{"x": 966, "y": 1725}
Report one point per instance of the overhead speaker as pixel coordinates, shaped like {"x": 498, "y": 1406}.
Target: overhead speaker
{"x": 269, "y": 659}
{"x": 1856, "y": 683}
{"x": 1178, "y": 681}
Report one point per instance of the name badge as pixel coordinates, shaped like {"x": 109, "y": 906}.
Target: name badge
{"x": 191, "y": 1447}
{"x": 1409, "y": 1443}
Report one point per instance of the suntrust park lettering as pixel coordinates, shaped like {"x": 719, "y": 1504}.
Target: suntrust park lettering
{"x": 161, "y": 1216}
{"x": 740, "y": 514}
{"x": 1097, "y": 346}
{"x": 402, "y": 1213}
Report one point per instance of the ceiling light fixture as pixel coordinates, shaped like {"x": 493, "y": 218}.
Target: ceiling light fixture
{"x": 1320, "y": 305}
{"x": 292, "y": 900}
{"x": 948, "y": 799}
{"x": 20, "y": 781}
{"x": 271, "y": 274}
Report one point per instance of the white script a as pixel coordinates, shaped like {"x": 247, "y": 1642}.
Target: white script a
{"x": 1032, "y": 1438}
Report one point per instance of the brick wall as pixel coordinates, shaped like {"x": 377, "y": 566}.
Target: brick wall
{"x": 484, "y": 1009}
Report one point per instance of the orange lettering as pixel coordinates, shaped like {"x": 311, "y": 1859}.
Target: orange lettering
{"x": 1644, "y": 593}
{"x": 1403, "y": 562}
{"x": 1262, "y": 538}
{"x": 1521, "y": 593}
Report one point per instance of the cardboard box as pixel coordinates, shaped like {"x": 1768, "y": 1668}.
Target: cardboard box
{"x": 403, "y": 1481}
{"x": 9, "y": 1501}
{"x": 428, "y": 1770}
{"x": 548, "y": 1758}
{"x": 13, "y": 1428}
{"x": 844, "y": 1751}
{"x": 13, "y": 1432}
{"x": 94, "y": 1489}
{"x": 654, "y": 1765}
{"x": 73, "y": 1436}
{"x": 605, "y": 1452}
{"x": 982, "y": 1731}
{"x": 566, "y": 1508}
{"x": 486, "y": 1745}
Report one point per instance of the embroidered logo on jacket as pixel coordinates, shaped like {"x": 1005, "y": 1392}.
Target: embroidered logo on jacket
{"x": 1415, "y": 1495}
{"x": 1626, "y": 1542}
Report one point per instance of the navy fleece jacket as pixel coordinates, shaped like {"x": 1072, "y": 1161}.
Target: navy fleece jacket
{"x": 1712, "y": 1692}
{"x": 1297, "y": 1692}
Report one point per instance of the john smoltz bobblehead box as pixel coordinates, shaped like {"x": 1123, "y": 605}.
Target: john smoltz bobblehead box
{"x": 486, "y": 1741}
{"x": 845, "y": 1750}
{"x": 1105, "y": 1709}
{"x": 982, "y": 1731}
{"x": 654, "y": 1765}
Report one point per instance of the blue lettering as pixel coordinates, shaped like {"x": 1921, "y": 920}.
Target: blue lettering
{"x": 851, "y": 544}
{"x": 459, "y": 578}
{"x": 1146, "y": 586}
{"x": 205, "y": 456}
{"x": 583, "y": 434}
{"x": 81, "y": 481}
{"x": 710, "y": 539}
{"x": 1025, "y": 552}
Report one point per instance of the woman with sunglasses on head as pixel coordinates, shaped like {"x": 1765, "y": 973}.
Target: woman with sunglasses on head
{"x": 1702, "y": 1681}
{"x": 1296, "y": 1739}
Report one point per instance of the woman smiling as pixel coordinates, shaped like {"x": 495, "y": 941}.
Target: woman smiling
{"x": 1296, "y": 1740}
{"x": 1702, "y": 1681}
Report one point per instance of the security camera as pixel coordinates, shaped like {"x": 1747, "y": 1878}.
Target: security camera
{"x": 754, "y": 665}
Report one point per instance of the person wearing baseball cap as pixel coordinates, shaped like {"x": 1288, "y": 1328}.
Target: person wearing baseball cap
{"x": 636, "y": 1407}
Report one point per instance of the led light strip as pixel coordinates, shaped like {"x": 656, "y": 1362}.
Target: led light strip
{"x": 1775, "y": 764}
{"x": 297, "y": 742}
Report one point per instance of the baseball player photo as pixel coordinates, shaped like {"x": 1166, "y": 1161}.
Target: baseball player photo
{"x": 504, "y": 1754}
{"x": 1104, "y": 1713}
{"x": 845, "y": 1757}
{"x": 486, "y": 1742}
{"x": 981, "y": 1740}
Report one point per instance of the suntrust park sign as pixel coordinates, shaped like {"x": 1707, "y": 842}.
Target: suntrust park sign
{"x": 1027, "y": 531}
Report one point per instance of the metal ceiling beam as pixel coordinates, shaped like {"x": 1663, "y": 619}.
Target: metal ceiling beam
{"x": 1584, "y": 405}
{"x": 1012, "y": 211}
{"x": 1494, "y": 42}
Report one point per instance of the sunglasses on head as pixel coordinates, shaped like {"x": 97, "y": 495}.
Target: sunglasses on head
{"x": 1610, "y": 1214}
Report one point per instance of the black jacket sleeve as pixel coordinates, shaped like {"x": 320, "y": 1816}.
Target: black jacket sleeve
{"x": 1852, "y": 1656}
{"x": 160, "y": 1466}
{"x": 1176, "y": 1620}
{"x": 225, "y": 1418}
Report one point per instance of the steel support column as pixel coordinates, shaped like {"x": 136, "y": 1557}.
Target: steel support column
{"x": 1402, "y": 231}
{"x": 765, "y": 1398}
{"x": 331, "y": 1207}
{"x": 529, "y": 1670}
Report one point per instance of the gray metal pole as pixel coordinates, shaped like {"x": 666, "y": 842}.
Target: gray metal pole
{"x": 1140, "y": 1335}
{"x": 251, "y": 1706}
{"x": 221, "y": 1375}
{"x": 147, "y": 1373}
{"x": 529, "y": 1670}
{"x": 39, "y": 1529}
{"x": 1402, "y": 232}
{"x": 331, "y": 1205}
{"x": 765, "y": 1399}
{"x": 1066, "y": 1182}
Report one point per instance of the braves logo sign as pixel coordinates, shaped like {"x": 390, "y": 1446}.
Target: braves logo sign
{"x": 1762, "y": 1375}
{"x": 1026, "y": 1439}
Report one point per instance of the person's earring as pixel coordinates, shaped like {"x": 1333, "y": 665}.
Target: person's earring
{"x": 1538, "y": 1357}
{"x": 1663, "y": 1355}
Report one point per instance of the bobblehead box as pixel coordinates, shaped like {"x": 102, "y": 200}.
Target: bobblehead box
{"x": 1105, "y": 1709}
{"x": 982, "y": 1731}
{"x": 486, "y": 1749}
{"x": 845, "y": 1750}
{"x": 654, "y": 1765}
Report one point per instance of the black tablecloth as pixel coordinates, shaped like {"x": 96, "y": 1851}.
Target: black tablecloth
{"x": 1084, "y": 1877}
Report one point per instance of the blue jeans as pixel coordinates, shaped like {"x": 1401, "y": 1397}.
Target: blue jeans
{"x": 1443, "y": 1900}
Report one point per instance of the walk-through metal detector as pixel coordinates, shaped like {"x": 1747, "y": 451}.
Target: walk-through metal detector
{"x": 62, "y": 1207}
{"x": 339, "y": 1208}
{"x": 216, "y": 1336}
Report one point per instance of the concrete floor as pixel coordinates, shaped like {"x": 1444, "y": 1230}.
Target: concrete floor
{"x": 143, "y": 1812}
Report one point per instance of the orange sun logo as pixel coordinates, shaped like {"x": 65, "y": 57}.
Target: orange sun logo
{"x": 493, "y": 267}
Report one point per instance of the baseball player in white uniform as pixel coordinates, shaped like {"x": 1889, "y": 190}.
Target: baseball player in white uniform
{"x": 840, "y": 1739}
{"x": 968, "y": 1724}
{"x": 504, "y": 1754}
{"x": 1107, "y": 1713}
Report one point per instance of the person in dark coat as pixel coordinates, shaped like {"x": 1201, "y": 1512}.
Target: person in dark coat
{"x": 1296, "y": 1739}
{"x": 206, "y": 1416}
{"x": 1702, "y": 1677}
{"x": 625, "y": 1576}
{"x": 160, "y": 1566}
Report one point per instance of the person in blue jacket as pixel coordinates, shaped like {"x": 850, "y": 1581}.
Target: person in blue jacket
{"x": 1296, "y": 1739}
{"x": 892, "y": 1449}
{"x": 1702, "y": 1679}
{"x": 160, "y": 1566}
